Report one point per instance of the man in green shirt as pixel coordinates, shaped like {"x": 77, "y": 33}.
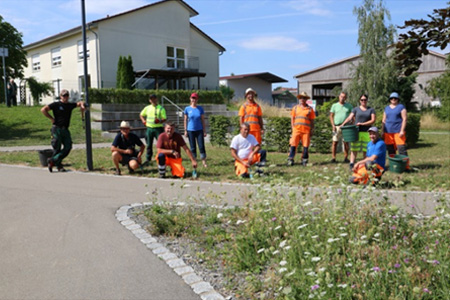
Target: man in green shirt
{"x": 338, "y": 113}
{"x": 153, "y": 116}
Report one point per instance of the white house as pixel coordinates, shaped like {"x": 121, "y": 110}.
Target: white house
{"x": 260, "y": 82}
{"x": 321, "y": 81}
{"x": 165, "y": 47}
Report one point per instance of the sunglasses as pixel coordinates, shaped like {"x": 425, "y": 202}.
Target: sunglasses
{"x": 65, "y": 95}
{"x": 362, "y": 99}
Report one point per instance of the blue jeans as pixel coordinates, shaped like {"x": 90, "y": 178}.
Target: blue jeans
{"x": 194, "y": 138}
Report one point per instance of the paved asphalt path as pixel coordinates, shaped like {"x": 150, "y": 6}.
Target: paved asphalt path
{"x": 60, "y": 238}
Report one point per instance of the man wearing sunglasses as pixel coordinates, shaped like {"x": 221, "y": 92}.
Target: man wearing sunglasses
{"x": 62, "y": 112}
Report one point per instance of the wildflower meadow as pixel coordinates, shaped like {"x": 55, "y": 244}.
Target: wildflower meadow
{"x": 303, "y": 246}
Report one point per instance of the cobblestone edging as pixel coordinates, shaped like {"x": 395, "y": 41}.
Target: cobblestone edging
{"x": 200, "y": 287}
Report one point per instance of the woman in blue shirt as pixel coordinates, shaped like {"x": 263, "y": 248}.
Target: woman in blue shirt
{"x": 194, "y": 127}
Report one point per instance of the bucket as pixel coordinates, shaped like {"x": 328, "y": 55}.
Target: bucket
{"x": 44, "y": 155}
{"x": 397, "y": 163}
{"x": 350, "y": 133}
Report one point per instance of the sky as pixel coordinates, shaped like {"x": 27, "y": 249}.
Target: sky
{"x": 283, "y": 37}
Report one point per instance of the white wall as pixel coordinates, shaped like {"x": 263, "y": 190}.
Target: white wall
{"x": 262, "y": 88}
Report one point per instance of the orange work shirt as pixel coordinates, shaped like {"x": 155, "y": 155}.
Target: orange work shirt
{"x": 303, "y": 117}
{"x": 251, "y": 113}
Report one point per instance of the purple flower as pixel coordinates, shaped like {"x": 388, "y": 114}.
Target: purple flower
{"x": 436, "y": 262}
{"x": 406, "y": 260}
{"x": 339, "y": 191}
{"x": 376, "y": 269}
{"x": 394, "y": 247}
{"x": 426, "y": 290}
{"x": 437, "y": 242}
{"x": 394, "y": 217}
{"x": 348, "y": 273}
{"x": 397, "y": 266}
{"x": 314, "y": 287}
{"x": 405, "y": 237}
{"x": 393, "y": 227}
{"x": 274, "y": 219}
{"x": 391, "y": 271}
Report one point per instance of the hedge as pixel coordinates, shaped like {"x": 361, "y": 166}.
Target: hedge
{"x": 123, "y": 96}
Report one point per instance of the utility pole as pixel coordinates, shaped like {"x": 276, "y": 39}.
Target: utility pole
{"x": 4, "y": 53}
{"x": 86, "y": 94}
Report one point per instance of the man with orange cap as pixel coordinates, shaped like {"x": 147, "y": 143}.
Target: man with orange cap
{"x": 302, "y": 123}
{"x": 251, "y": 113}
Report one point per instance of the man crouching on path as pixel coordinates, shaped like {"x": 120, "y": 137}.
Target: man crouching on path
{"x": 62, "y": 112}
{"x": 124, "y": 151}
{"x": 246, "y": 151}
{"x": 169, "y": 152}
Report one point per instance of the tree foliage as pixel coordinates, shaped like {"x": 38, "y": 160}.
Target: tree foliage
{"x": 422, "y": 34}
{"x": 125, "y": 73}
{"x": 439, "y": 87}
{"x": 227, "y": 92}
{"x": 39, "y": 89}
{"x": 16, "y": 61}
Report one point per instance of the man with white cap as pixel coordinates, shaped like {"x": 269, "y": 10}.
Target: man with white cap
{"x": 302, "y": 124}
{"x": 375, "y": 160}
{"x": 124, "y": 151}
{"x": 251, "y": 113}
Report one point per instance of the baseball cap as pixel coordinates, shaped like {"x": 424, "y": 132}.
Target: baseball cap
{"x": 373, "y": 128}
{"x": 194, "y": 95}
{"x": 153, "y": 96}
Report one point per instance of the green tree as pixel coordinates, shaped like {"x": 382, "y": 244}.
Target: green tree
{"x": 39, "y": 89}
{"x": 128, "y": 73}
{"x": 375, "y": 72}
{"x": 439, "y": 87}
{"x": 16, "y": 61}
{"x": 227, "y": 92}
{"x": 119, "y": 74}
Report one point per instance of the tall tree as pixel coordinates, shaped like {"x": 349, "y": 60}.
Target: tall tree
{"x": 422, "y": 34}
{"x": 119, "y": 74}
{"x": 16, "y": 61}
{"x": 375, "y": 73}
{"x": 128, "y": 73}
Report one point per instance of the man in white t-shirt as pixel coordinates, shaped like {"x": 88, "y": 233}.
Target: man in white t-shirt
{"x": 246, "y": 151}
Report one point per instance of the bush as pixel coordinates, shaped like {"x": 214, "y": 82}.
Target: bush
{"x": 412, "y": 129}
{"x": 121, "y": 96}
{"x": 278, "y": 133}
{"x": 219, "y": 128}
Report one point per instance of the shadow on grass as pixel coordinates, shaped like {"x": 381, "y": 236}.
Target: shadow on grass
{"x": 426, "y": 166}
{"x": 16, "y": 132}
{"x": 423, "y": 145}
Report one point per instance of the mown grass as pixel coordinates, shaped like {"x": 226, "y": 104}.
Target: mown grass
{"x": 26, "y": 125}
{"x": 301, "y": 246}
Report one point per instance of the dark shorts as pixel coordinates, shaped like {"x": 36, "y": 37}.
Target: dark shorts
{"x": 126, "y": 158}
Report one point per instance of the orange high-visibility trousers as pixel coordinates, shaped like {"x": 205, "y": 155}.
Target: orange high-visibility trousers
{"x": 241, "y": 168}
{"x": 175, "y": 165}
{"x": 361, "y": 175}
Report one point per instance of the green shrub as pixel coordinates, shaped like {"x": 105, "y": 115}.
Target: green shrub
{"x": 119, "y": 96}
{"x": 219, "y": 128}
{"x": 278, "y": 132}
{"x": 321, "y": 137}
{"x": 412, "y": 129}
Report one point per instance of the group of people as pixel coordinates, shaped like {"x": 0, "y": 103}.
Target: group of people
{"x": 246, "y": 146}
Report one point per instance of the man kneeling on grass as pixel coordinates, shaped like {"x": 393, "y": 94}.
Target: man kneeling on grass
{"x": 169, "y": 152}
{"x": 123, "y": 149}
{"x": 246, "y": 151}
{"x": 374, "y": 162}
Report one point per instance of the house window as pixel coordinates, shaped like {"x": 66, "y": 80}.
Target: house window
{"x": 56, "y": 57}
{"x": 176, "y": 57}
{"x": 80, "y": 49}
{"x": 36, "y": 63}
{"x": 56, "y": 88}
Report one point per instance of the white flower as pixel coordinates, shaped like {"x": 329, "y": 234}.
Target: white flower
{"x": 281, "y": 270}
{"x": 261, "y": 250}
{"x": 283, "y": 263}
{"x": 307, "y": 203}
{"x": 343, "y": 234}
{"x": 282, "y": 244}
{"x": 330, "y": 240}
{"x": 316, "y": 258}
{"x": 307, "y": 253}
{"x": 376, "y": 235}
{"x": 278, "y": 227}
{"x": 322, "y": 269}
{"x": 312, "y": 274}
{"x": 330, "y": 285}
{"x": 219, "y": 215}
{"x": 287, "y": 247}
{"x": 275, "y": 252}
{"x": 364, "y": 237}
{"x": 342, "y": 285}
{"x": 291, "y": 273}
{"x": 348, "y": 265}
{"x": 240, "y": 222}
{"x": 302, "y": 226}
{"x": 314, "y": 236}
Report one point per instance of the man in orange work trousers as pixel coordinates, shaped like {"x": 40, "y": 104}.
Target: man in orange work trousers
{"x": 302, "y": 123}
{"x": 169, "y": 152}
{"x": 251, "y": 113}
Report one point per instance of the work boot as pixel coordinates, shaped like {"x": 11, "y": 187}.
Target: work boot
{"x": 304, "y": 162}
{"x": 50, "y": 164}
{"x": 290, "y": 162}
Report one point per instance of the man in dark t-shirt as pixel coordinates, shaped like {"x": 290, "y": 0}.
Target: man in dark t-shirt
{"x": 62, "y": 111}
{"x": 124, "y": 151}
{"x": 169, "y": 146}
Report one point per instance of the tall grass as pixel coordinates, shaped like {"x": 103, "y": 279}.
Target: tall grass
{"x": 429, "y": 121}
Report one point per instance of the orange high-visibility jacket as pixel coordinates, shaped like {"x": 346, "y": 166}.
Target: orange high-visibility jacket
{"x": 303, "y": 118}
{"x": 251, "y": 113}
